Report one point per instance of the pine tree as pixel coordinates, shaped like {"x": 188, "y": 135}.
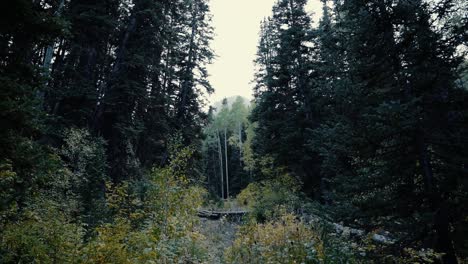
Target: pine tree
{"x": 286, "y": 92}
{"x": 153, "y": 79}
{"x": 192, "y": 78}
{"x": 390, "y": 101}
{"x": 25, "y": 27}
{"x": 81, "y": 62}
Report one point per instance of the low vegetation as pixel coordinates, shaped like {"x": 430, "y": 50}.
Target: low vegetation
{"x": 354, "y": 148}
{"x": 157, "y": 226}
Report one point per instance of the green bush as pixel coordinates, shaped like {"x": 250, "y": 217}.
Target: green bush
{"x": 168, "y": 213}
{"x": 45, "y": 235}
{"x": 265, "y": 198}
{"x": 155, "y": 226}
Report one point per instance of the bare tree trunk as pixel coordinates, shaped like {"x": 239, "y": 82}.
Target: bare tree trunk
{"x": 240, "y": 151}
{"x": 220, "y": 155}
{"x": 49, "y": 54}
{"x": 240, "y": 144}
{"x": 226, "y": 156}
{"x": 50, "y": 49}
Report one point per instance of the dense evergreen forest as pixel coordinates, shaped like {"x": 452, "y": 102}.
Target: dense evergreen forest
{"x": 353, "y": 150}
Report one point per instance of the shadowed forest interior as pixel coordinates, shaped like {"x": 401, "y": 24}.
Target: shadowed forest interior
{"x": 352, "y": 149}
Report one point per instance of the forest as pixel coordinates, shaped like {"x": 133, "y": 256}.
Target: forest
{"x": 354, "y": 148}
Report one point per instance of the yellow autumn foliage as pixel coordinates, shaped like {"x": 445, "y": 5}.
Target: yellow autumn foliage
{"x": 286, "y": 240}
{"x": 168, "y": 211}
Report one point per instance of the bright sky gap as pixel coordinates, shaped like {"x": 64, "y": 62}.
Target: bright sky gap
{"x": 237, "y": 26}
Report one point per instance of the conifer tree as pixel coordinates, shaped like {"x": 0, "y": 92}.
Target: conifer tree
{"x": 25, "y": 28}
{"x": 81, "y": 62}
{"x": 382, "y": 145}
{"x": 283, "y": 94}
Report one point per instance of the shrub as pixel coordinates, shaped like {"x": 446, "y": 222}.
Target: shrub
{"x": 85, "y": 159}
{"x": 265, "y": 198}
{"x": 41, "y": 236}
{"x": 168, "y": 213}
{"x": 285, "y": 240}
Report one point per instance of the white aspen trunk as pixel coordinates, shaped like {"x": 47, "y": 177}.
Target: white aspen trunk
{"x": 240, "y": 145}
{"x": 220, "y": 155}
{"x": 240, "y": 151}
{"x": 226, "y": 156}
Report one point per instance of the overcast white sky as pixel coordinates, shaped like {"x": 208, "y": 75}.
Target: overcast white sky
{"x": 237, "y": 24}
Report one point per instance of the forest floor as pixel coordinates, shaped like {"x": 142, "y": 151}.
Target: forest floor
{"x": 220, "y": 235}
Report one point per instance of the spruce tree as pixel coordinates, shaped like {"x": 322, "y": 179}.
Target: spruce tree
{"x": 283, "y": 92}
{"x": 81, "y": 63}
{"x": 25, "y": 28}
{"x": 392, "y": 101}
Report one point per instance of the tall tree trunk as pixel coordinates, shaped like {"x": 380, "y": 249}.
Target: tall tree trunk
{"x": 212, "y": 180}
{"x": 240, "y": 144}
{"x": 227, "y": 164}
{"x": 48, "y": 55}
{"x": 220, "y": 155}
{"x": 49, "y": 52}
{"x": 240, "y": 153}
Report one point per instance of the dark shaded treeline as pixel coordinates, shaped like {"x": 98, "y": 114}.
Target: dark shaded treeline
{"x": 129, "y": 72}
{"x": 368, "y": 110}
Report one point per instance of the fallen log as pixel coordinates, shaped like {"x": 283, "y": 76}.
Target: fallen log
{"x": 218, "y": 214}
